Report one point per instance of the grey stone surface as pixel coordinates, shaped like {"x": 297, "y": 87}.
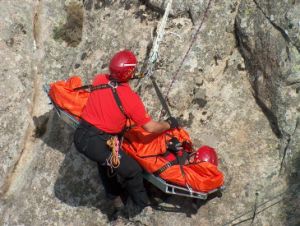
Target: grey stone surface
{"x": 18, "y": 81}
{"x": 237, "y": 90}
{"x": 269, "y": 43}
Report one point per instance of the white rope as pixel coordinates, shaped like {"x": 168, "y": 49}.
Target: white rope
{"x": 160, "y": 34}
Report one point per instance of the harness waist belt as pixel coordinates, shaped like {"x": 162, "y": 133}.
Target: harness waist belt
{"x": 93, "y": 128}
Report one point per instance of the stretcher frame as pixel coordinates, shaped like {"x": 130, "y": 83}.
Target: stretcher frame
{"x": 158, "y": 182}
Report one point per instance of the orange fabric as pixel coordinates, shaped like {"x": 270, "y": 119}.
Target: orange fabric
{"x": 63, "y": 95}
{"x": 147, "y": 145}
{"x": 146, "y": 148}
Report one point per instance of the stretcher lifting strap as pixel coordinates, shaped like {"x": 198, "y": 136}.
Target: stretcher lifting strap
{"x": 106, "y": 86}
{"x": 166, "y": 166}
{"x": 180, "y": 160}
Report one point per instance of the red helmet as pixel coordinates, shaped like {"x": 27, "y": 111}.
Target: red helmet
{"x": 122, "y": 66}
{"x": 206, "y": 154}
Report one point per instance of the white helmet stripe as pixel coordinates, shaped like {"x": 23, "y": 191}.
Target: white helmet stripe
{"x": 127, "y": 65}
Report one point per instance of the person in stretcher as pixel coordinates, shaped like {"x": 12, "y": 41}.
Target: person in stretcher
{"x": 172, "y": 157}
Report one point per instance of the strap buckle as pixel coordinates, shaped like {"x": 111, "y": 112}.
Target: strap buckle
{"x": 113, "y": 84}
{"x": 164, "y": 167}
{"x": 169, "y": 164}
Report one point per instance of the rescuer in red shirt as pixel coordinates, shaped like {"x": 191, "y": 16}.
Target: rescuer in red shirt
{"x": 105, "y": 116}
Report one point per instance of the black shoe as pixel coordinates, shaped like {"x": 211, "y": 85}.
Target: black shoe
{"x": 131, "y": 209}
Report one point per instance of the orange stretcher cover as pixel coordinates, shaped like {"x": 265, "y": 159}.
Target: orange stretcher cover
{"x": 147, "y": 149}
{"x": 63, "y": 94}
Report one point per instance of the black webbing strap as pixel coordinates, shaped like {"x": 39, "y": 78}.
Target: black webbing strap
{"x": 119, "y": 103}
{"x": 92, "y": 88}
{"x": 160, "y": 97}
{"x": 101, "y": 86}
{"x": 181, "y": 161}
{"x": 83, "y": 87}
{"x": 164, "y": 167}
{"x": 113, "y": 88}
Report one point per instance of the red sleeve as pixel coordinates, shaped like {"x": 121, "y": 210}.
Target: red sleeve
{"x": 138, "y": 112}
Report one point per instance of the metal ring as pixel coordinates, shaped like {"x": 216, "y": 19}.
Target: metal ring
{"x": 112, "y": 85}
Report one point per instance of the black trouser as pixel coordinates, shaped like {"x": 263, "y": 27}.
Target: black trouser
{"x": 92, "y": 143}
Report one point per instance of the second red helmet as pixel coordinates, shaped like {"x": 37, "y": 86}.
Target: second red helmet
{"x": 122, "y": 66}
{"x": 206, "y": 154}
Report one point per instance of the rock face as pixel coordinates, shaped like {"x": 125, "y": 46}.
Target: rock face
{"x": 230, "y": 72}
{"x": 270, "y": 46}
{"x": 18, "y": 83}
{"x": 268, "y": 36}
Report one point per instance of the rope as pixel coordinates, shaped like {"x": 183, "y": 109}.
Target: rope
{"x": 160, "y": 34}
{"x": 154, "y": 54}
{"x": 113, "y": 160}
{"x": 286, "y": 196}
{"x": 188, "y": 51}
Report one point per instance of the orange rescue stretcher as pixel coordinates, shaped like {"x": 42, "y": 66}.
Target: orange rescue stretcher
{"x": 194, "y": 180}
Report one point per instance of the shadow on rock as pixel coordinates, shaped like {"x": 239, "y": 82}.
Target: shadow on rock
{"x": 78, "y": 182}
{"x": 173, "y": 203}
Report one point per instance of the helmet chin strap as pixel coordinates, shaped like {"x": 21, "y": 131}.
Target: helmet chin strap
{"x": 111, "y": 78}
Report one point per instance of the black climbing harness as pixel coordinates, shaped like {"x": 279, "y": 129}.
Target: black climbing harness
{"x": 113, "y": 85}
{"x": 115, "y": 142}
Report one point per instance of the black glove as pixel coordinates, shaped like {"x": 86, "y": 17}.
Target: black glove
{"x": 174, "y": 145}
{"x": 172, "y": 122}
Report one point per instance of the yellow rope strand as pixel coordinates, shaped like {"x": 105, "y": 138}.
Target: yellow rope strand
{"x": 113, "y": 159}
